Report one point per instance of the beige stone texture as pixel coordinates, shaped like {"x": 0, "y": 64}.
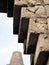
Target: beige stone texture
{"x": 16, "y": 59}
{"x": 48, "y": 24}
{"x": 31, "y": 2}
{"x": 37, "y": 1}
{"x": 47, "y": 10}
{"x": 36, "y": 11}
{"x": 19, "y": 2}
{"x": 40, "y": 26}
{"x": 46, "y": 1}
{"x": 26, "y": 13}
{"x": 42, "y": 1}
{"x": 41, "y": 11}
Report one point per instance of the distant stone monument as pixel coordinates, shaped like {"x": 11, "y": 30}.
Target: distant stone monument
{"x": 16, "y": 59}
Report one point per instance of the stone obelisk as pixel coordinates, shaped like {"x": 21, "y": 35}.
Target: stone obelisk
{"x": 16, "y": 59}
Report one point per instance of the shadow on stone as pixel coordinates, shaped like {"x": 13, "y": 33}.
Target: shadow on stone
{"x": 23, "y": 30}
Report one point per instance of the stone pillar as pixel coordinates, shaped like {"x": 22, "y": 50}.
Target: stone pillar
{"x": 23, "y": 28}
{"x": 18, "y": 4}
{"x": 42, "y": 51}
{"x": 16, "y": 59}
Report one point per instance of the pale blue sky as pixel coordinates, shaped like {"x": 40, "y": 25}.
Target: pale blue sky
{"x": 9, "y": 42}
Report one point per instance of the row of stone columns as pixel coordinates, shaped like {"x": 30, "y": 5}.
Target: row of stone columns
{"x": 33, "y": 29}
{"x": 31, "y": 23}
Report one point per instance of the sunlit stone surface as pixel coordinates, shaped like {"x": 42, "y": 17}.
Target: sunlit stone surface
{"x": 16, "y": 59}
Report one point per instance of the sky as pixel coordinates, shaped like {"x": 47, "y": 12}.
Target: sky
{"x": 9, "y": 42}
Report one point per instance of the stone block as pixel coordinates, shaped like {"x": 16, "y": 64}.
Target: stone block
{"x": 41, "y": 11}
{"x": 33, "y": 2}
{"x": 47, "y": 10}
{"x": 38, "y": 25}
{"x": 20, "y": 2}
{"x": 27, "y": 12}
{"x": 37, "y": 2}
{"x": 36, "y": 11}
